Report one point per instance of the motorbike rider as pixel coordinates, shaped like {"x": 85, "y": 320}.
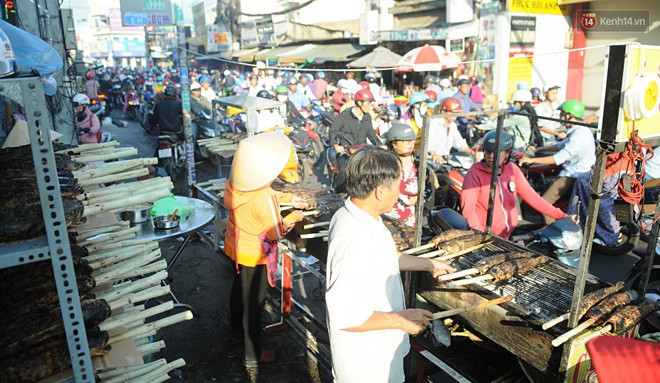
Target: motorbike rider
{"x": 207, "y": 91}
{"x": 577, "y": 154}
{"x": 88, "y": 126}
{"x": 446, "y": 91}
{"x": 341, "y": 96}
{"x": 476, "y": 93}
{"x": 523, "y": 128}
{"x": 536, "y": 97}
{"x": 304, "y": 86}
{"x": 168, "y": 113}
{"x": 297, "y": 96}
{"x": 149, "y": 93}
{"x": 254, "y": 87}
{"x": 415, "y": 115}
{"x": 401, "y": 140}
{"x": 429, "y": 84}
{"x": 350, "y": 81}
{"x": 352, "y": 127}
{"x": 510, "y": 183}
{"x": 373, "y": 86}
{"x": 93, "y": 86}
{"x": 550, "y": 108}
{"x": 444, "y": 134}
{"x": 467, "y": 105}
{"x": 321, "y": 85}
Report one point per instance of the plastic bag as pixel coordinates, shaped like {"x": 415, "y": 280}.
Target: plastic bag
{"x": 31, "y": 52}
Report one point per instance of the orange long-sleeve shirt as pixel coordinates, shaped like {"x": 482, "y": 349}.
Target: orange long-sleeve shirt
{"x": 250, "y": 214}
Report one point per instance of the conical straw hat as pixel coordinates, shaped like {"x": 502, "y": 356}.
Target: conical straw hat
{"x": 259, "y": 160}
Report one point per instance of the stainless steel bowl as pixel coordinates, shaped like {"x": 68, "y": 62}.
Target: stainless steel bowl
{"x": 137, "y": 214}
{"x": 161, "y": 222}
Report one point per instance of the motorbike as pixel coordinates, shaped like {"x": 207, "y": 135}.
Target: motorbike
{"x": 117, "y": 96}
{"x": 133, "y": 107}
{"x": 171, "y": 154}
{"x": 302, "y": 143}
{"x": 561, "y": 239}
{"x": 450, "y": 179}
{"x": 97, "y": 106}
{"x": 146, "y": 111}
{"x": 204, "y": 127}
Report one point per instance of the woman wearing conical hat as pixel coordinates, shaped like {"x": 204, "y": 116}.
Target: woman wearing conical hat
{"x": 253, "y": 228}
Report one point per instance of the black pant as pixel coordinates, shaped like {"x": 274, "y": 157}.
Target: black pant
{"x": 246, "y": 304}
{"x": 340, "y": 177}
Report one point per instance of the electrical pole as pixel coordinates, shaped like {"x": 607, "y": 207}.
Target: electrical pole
{"x": 185, "y": 94}
{"x": 42, "y": 18}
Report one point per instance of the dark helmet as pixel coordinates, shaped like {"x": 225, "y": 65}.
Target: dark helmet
{"x": 170, "y": 91}
{"x": 292, "y": 80}
{"x": 506, "y": 141}
{"x": 264, "y": 94}
{"x": 536, "y": 92}
{"x": 370, "y": 77}
{"x": 450, "y": 104}
{"x": 400, "y": 132}
{"x": 363, "y": 95}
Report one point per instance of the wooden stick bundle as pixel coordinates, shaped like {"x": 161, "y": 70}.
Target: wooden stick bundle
{"x": 112, "y": 323}
{"x": 113, "y": 168}
{"x": 121, "y": 374}
{"x": 114, "y": 177}
{"x": 82, "y": 235}
{"x": 141, "y": 284}
{"x": 119, "y": 269}
{"x": 151, "y": 348}
{"x": 150, "y": 293}
{"x": 128, "y": 193}
{"x": 109, "y": 261}
{"x": 123, "y": 187}
{"x": 144, "y": 270}
{"x": 109, "y": 257}
{"x": 160, "y": 374}
{"x": 118, "y": 205}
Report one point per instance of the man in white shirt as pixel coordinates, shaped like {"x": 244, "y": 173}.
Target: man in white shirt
{"x": 367, "y": 318}
{"x": 548, "y": 108}
{"x": 444, "y": 134}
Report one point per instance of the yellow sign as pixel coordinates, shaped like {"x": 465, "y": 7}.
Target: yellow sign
{"x": 640, "y": 94}
{"x": 579, "y": 369}
{"x": 549, "y": 7}
{"x": 520, "y": 70}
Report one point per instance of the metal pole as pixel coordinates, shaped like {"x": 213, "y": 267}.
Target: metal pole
{"x": 421, "y": 179}
{"x": 647, "y": 263}
{"x": 589, "y": 230}
{"x": 494, "y": 175}
{"x": 185, "y": 96}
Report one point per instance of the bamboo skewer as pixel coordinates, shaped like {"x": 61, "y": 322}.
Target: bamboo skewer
{"x": 151, "y": 348}
{"x": 555, "y": 321}
{"x": 120, "y": 253}
{"x": 119, "y": 269}
{"x": 143, "y": 339}
{"x": 127, "y": 193}
{"x": 84, "y": 234}
{"x": 148, "y": 269}
{"x": 317, "y": 224}
{"x": 320, "y": 234}
{"x": 152, "y": 280}
{"x": 121, "y": 374}
{"x": 108, "y": 261}
{"x": 558, "y": 341}
{"x": 156, "y": 325}
{"x": 117, "y": 205}
{"x": 114, "y": 177}
{"x": 88, "y": 147}
{"x": 110, "y": 237}
{"x": 417, "y": 249}
{"x": 113, "y": 167}
{"x": 114, "y": 323}
{"x": 119, "y": 153}
{"x": 150, "y": 293}
{"x": 121, "y": 188}
{"x": 483, "y": 305}
{"x": 464, "y": 251}
{"x": 468, "y": 281}
{"x": 311, "y": 212}
{"x": 458, "y": 274}
{"x": 161, "y": 373}
{"x": 117, "y": 245}
{"x": 432, "y": 254}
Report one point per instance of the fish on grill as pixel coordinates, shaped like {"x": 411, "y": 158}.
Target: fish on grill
{"x": 627, "y": 316}
{"x": 487, "y": 263}
{"x": 594, "y": 297}
{"x": 508, "y": 269}
{"x": 449, "y": 235}
{"x": 461, "y": 243}
{"x": 610, "y": 304}
{"x": 403, "y": 235}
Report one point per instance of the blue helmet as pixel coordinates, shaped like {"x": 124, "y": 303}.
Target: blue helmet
{"x": 205, "y": 79}
{"x": 418, "y": 97}
{"x": 286, "y": 74}
{"x": 321, "y": 74}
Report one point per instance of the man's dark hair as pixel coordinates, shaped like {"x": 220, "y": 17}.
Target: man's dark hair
{"x": 369, "y": 168}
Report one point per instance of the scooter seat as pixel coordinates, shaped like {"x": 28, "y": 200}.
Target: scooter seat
{"x": 172, "y": 138}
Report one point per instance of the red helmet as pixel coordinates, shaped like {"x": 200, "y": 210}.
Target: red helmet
{"x": 474, "y": 79}
{"x": 450, "y": 104}
{"x": 432, "y": 94}
{"x": 364, "y": 85}
{"x": 90, "y": 75}
{"x": 349, "y": 75}
{"x": 363, "y": 95}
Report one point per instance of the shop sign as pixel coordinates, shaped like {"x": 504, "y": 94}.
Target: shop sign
{"x": 549, "y": 7}
{"x": 146, "y": 12}
{"x": 456, "y": 45}
{"x": 218, "y": 39}
{"x": 414, "y": 35}
{"x": 521, "y": 50}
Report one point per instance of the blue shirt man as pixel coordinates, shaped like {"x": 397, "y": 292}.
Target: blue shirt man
{"x": 297, "y": 96}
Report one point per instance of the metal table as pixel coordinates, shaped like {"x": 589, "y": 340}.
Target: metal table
{"x": 201, "y": 215}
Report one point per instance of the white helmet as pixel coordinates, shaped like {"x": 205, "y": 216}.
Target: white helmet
{"x": 522, "y": 95}
{"x": 81, "y": 99}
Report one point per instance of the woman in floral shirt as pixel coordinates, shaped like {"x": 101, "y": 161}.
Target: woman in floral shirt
{"x": 401, "y": 139}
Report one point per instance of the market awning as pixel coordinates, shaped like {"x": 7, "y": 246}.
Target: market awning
{"x": 305, "y": 52}
{"x": 245, "y": 55}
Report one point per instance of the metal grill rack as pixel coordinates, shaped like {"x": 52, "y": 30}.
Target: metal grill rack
{"x": 55, "y": 245}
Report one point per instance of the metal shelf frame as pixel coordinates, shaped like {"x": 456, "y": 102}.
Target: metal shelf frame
{"x": 55, "y": 245}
